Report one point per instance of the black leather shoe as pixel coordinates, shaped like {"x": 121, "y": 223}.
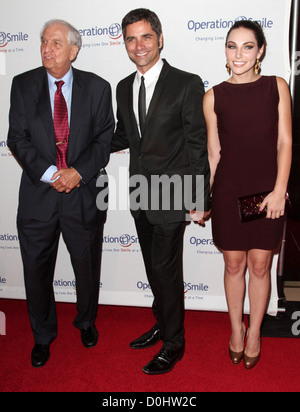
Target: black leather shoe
{"x": 163, "y": 362}
{"x": 40, "y": 355}
{"x": 147, "y": 340}
{"x": 89, "y": 336}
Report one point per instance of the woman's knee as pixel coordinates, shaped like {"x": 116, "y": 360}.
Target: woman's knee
{"x": 235, "y": 263}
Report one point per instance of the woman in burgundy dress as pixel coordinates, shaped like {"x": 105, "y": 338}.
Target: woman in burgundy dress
{"x": 250, "y": 142}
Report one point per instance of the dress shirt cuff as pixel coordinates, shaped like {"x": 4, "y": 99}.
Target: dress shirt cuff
{"x": 46, "y": 178}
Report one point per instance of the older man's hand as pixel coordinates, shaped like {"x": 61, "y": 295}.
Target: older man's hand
{"x": 68, "y": 180}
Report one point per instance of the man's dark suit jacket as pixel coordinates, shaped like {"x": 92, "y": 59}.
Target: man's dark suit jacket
{"x": 31, "y": 138}
{"x": 174, "y": 141}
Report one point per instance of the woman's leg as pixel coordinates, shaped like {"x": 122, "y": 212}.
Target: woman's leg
{"x": 235, "y": 286}
{"x": 259, "y": 265}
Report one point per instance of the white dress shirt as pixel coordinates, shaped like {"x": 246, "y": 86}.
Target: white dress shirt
{"x": 151, "y": 77}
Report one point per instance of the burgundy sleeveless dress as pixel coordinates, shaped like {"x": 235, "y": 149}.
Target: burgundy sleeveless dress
{"x": 248, "y": 131}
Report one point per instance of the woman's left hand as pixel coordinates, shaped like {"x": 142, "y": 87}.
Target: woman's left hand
{"x": 275, "y": 204}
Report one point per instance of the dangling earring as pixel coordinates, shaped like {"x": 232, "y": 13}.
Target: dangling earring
{"x": 228, "y": 69}
{"x": 257, "y": 67}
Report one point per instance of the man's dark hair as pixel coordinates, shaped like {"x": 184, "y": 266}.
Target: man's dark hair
{"x": 137, "y": 15}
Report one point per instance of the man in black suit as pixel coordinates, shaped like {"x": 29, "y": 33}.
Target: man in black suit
{"x": 160, "y": 119}
{"x": 58, "y": 199}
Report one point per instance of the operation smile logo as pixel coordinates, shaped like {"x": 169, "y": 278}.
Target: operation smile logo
{"x": 9, "y": 242}
{"x": 115, "y": 31}
{"x": 219, "y": 24}
{"x": 112, "y": 32}
{"x": 6, "y": 38}
{"x": 67, "y": 284}
{"x": 10, "y": 43}
{"x": 188, "y": 287}
{"x": 3, "y": 41}
{"x": 124, "y": 240}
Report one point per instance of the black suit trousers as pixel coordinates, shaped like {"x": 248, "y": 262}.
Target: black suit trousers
{"x": 39, "y": 244}
{"x": 162, "y": 249}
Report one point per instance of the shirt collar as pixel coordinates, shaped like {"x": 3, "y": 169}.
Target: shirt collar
{"x": 68, "y": 78}
{"x": 153, "y": 73}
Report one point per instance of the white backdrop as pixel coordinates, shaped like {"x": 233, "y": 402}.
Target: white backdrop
{"x": 194, "y": 34}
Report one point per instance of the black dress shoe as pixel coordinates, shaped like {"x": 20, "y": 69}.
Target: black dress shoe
{"x": 89, "y": 336}
{"x": 163, "y": 362}
{"x": 147, "y": 340}
{"x": 40, "y": 355}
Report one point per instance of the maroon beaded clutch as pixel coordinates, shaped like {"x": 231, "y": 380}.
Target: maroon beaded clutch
{"x": 249, "y": 207}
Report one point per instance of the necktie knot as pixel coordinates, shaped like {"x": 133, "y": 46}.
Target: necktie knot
{"x": 59, "y": 85}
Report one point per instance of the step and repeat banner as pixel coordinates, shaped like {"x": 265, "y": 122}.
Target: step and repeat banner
{"x": 194, "y": 38}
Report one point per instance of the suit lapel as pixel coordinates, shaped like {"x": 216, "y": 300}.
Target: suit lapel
{"x": 42, "y": 99}
{"x": 130, "y": 106}
{"x": 78, "y": 90}
{"x": 157, "y": 92}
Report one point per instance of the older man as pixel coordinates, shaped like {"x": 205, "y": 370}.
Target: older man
{"x": 61, "y": 125}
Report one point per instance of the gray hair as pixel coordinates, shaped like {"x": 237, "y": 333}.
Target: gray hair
{"x": 74, "y": 37}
